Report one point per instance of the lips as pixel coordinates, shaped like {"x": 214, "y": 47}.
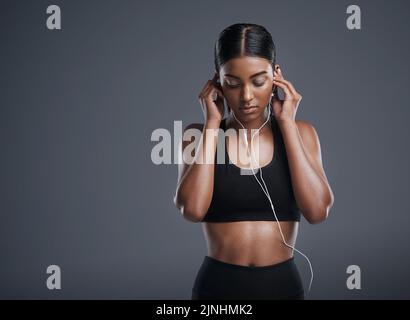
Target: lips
{"x": 248, "y": 110}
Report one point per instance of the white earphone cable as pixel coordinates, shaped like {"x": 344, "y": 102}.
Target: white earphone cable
{"x": 266, "y": 192}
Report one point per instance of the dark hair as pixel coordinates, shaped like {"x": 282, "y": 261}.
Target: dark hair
{"x": 244, "y": 39}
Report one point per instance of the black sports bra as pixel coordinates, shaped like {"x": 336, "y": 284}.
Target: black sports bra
{"x": 238, "y": 197}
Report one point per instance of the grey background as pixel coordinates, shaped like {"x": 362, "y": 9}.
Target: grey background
{"x": 78, "y": 106}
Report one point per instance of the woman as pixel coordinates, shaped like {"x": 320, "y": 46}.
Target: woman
{"x": 251, "y": 230}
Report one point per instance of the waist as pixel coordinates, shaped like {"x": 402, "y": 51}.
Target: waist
{"x": 250, "y": 243}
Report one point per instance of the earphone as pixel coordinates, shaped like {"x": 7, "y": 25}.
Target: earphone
{"x": 266, "y": 192}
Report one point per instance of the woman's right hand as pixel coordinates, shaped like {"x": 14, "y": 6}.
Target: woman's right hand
{"x": 212, "y": 100}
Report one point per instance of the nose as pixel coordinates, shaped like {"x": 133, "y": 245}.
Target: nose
{"x": 246, "y": 95}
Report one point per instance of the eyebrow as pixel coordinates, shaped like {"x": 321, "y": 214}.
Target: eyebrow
{"x": 252, "y": 76}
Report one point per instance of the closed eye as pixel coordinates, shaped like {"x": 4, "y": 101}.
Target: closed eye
{"x": 257, "y": 84}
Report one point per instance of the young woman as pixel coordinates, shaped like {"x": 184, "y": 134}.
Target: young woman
{"x": 250, "y": 235}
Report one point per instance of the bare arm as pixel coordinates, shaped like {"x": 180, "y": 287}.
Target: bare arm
{"x": 195, "y": 179}
{"x": 312, "y": 191}
{"x": 311, "y": 188}
{"x": 194, "y": 189}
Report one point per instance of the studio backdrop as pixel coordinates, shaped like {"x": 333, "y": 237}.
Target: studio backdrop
{"x": 87, "y": 87}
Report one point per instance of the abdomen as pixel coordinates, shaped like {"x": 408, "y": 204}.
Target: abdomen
{"x": 250, "y": 243}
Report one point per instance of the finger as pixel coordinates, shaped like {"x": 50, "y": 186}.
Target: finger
{"x": 201, "y": 94}
{"x": 205, "y": 87}
{"x": 292, "y": 89}
{"x": 210, "y": 93}
{"x": 288, "y": 84}
{"x": 284, "y": 87}
{"x": 215, "y": 93}
{"x": 205, "y": 90}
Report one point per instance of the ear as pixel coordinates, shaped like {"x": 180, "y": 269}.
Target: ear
{"x": 217, "y": 76}
{"x": 218, "y": 82}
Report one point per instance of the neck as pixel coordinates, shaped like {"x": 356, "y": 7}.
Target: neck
{"x": 232, "y": 122}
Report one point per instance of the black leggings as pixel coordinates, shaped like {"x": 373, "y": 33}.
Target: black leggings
{"x": 221, "y": 280}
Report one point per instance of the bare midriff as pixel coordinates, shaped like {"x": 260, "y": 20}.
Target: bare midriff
{"x": 250, "y": 243}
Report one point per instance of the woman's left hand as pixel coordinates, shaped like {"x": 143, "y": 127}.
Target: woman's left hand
{"x": 285, "y": 110}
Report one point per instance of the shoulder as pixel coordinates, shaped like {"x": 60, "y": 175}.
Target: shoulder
{"x": 309, "y": 137}
{"x": 303, "y": 124}
{"x": 311, "y": 143}
{"x": 306, "y": 130}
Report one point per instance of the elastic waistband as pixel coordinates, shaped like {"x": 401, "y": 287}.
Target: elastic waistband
{"x": 212, "y": 260}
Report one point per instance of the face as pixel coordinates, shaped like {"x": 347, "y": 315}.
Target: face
{"x": 247, "y": 81}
